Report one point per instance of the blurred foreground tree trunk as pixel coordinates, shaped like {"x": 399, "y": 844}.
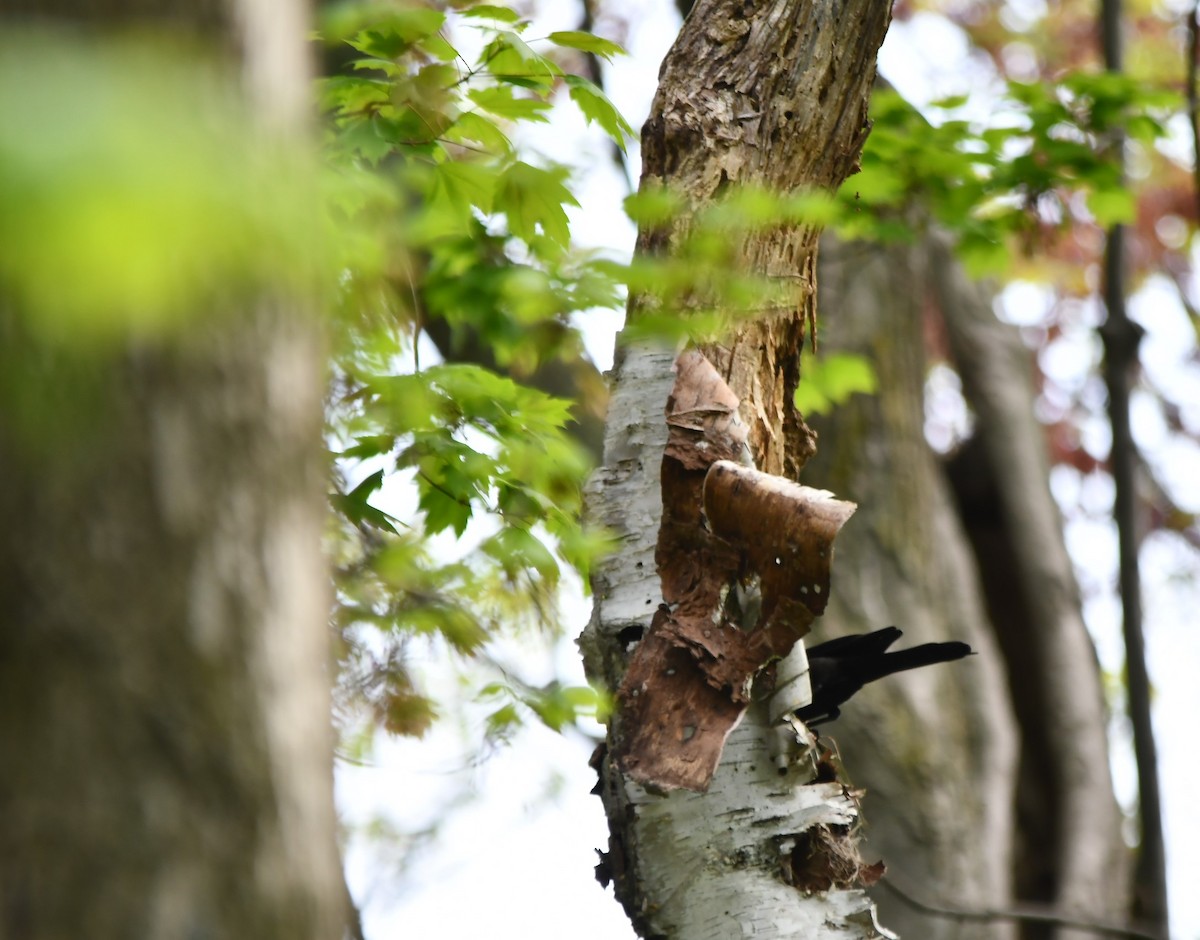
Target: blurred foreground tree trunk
{"x": 165, "y": 738}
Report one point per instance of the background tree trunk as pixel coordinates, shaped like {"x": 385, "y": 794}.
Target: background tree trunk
{"x": 976, "y": 554}
{"x": 165, "y": 739}
{"x": 935, "y": 748}
{"x": 1070, "y": 833}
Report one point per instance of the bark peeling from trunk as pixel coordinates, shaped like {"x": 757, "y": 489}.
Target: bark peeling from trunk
{"x": 728, "y": 533}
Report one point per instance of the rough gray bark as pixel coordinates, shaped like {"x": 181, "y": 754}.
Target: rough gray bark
{"x": 935, "y": 748}
{"x": 771, "y": 93}
{"x": 165, "y": 739}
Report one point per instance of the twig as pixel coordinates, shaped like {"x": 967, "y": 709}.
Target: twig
{"x": 1193, "y": 98}
{"x": 1121, "y": 336}
{"x": 1030, "y": 913}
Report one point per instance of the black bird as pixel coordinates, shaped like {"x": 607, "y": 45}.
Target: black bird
{"x": 838, "y": 668}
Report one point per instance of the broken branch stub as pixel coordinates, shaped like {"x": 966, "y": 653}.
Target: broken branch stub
{"x": 688, "y": 681}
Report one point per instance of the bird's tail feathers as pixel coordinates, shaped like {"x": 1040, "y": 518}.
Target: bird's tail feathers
{"x": 924, "y": 655}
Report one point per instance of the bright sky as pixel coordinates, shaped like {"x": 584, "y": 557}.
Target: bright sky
{"x": 515, "y": 857}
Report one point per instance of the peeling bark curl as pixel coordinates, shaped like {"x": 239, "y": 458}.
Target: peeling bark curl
{"x": 766, "y": 538}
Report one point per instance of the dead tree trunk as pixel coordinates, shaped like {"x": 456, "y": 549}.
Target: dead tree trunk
{"x": 165, "y": 738}
{"x": 772, "y": 94}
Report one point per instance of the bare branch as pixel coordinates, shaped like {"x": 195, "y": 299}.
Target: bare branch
{"x": 1028, "y": 913}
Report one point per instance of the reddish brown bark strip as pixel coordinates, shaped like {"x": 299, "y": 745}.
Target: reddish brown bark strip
{"x": 688, "y": 681}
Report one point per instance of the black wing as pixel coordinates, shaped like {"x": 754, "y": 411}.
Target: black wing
{"x": 840, "y": 667}
{"x": 856, "y": 644}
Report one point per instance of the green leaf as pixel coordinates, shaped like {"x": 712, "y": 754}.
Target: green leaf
{"x": 411, "y": 23}
{"x": 369, "y": 446}
{"x": 124, "y": 214}
{"x": 810, "y": 400}
{"x": 503, "y": 723}
{"x": 354, "y": 505}
{"x": 586, "y": 42}
{"x": 877, "y": 184}
{"x": 1143, "y": 128}
{"x": 501, "y": 101}
{"x": 387, "y": 66}
{"x": 473, "y": 126}
{"x": 509, "y": 57}
{"x": 830, "y": 381}
{"x": 812, "y": 208}
{"x": 466, "y": 185}
{"x": 528, "y": 295}
{"x": 443, "y": 509}
{"x": 1112, "y": 206}
{"x": 533, "y": 199}
{"x": 558, "y": 706}
{"x": 368, "y": 486}
{"x": 362, "y": 137}
{"x": 347, "y": 94}
{"x": 342, "y": 21}
{"x": 391, "y": 40}
{"x": 460, "y": 628}
{"x": 492, "y": 12}
{"x": 950, "y": 102}
{"x": 517, "y": 549}
{"x": 596, "y": 106}
{"x": 982, "y": 255}
{"x": 845, "y": 374}
{"x": 654, "y": 205}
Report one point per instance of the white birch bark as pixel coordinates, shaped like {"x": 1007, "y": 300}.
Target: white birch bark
{"x": 698, "y": 865}
{"x": 769, "y": 93}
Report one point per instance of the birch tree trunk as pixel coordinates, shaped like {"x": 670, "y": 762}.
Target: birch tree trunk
{"x": 773, "y": 94}
{"x": 165, "y": 739}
